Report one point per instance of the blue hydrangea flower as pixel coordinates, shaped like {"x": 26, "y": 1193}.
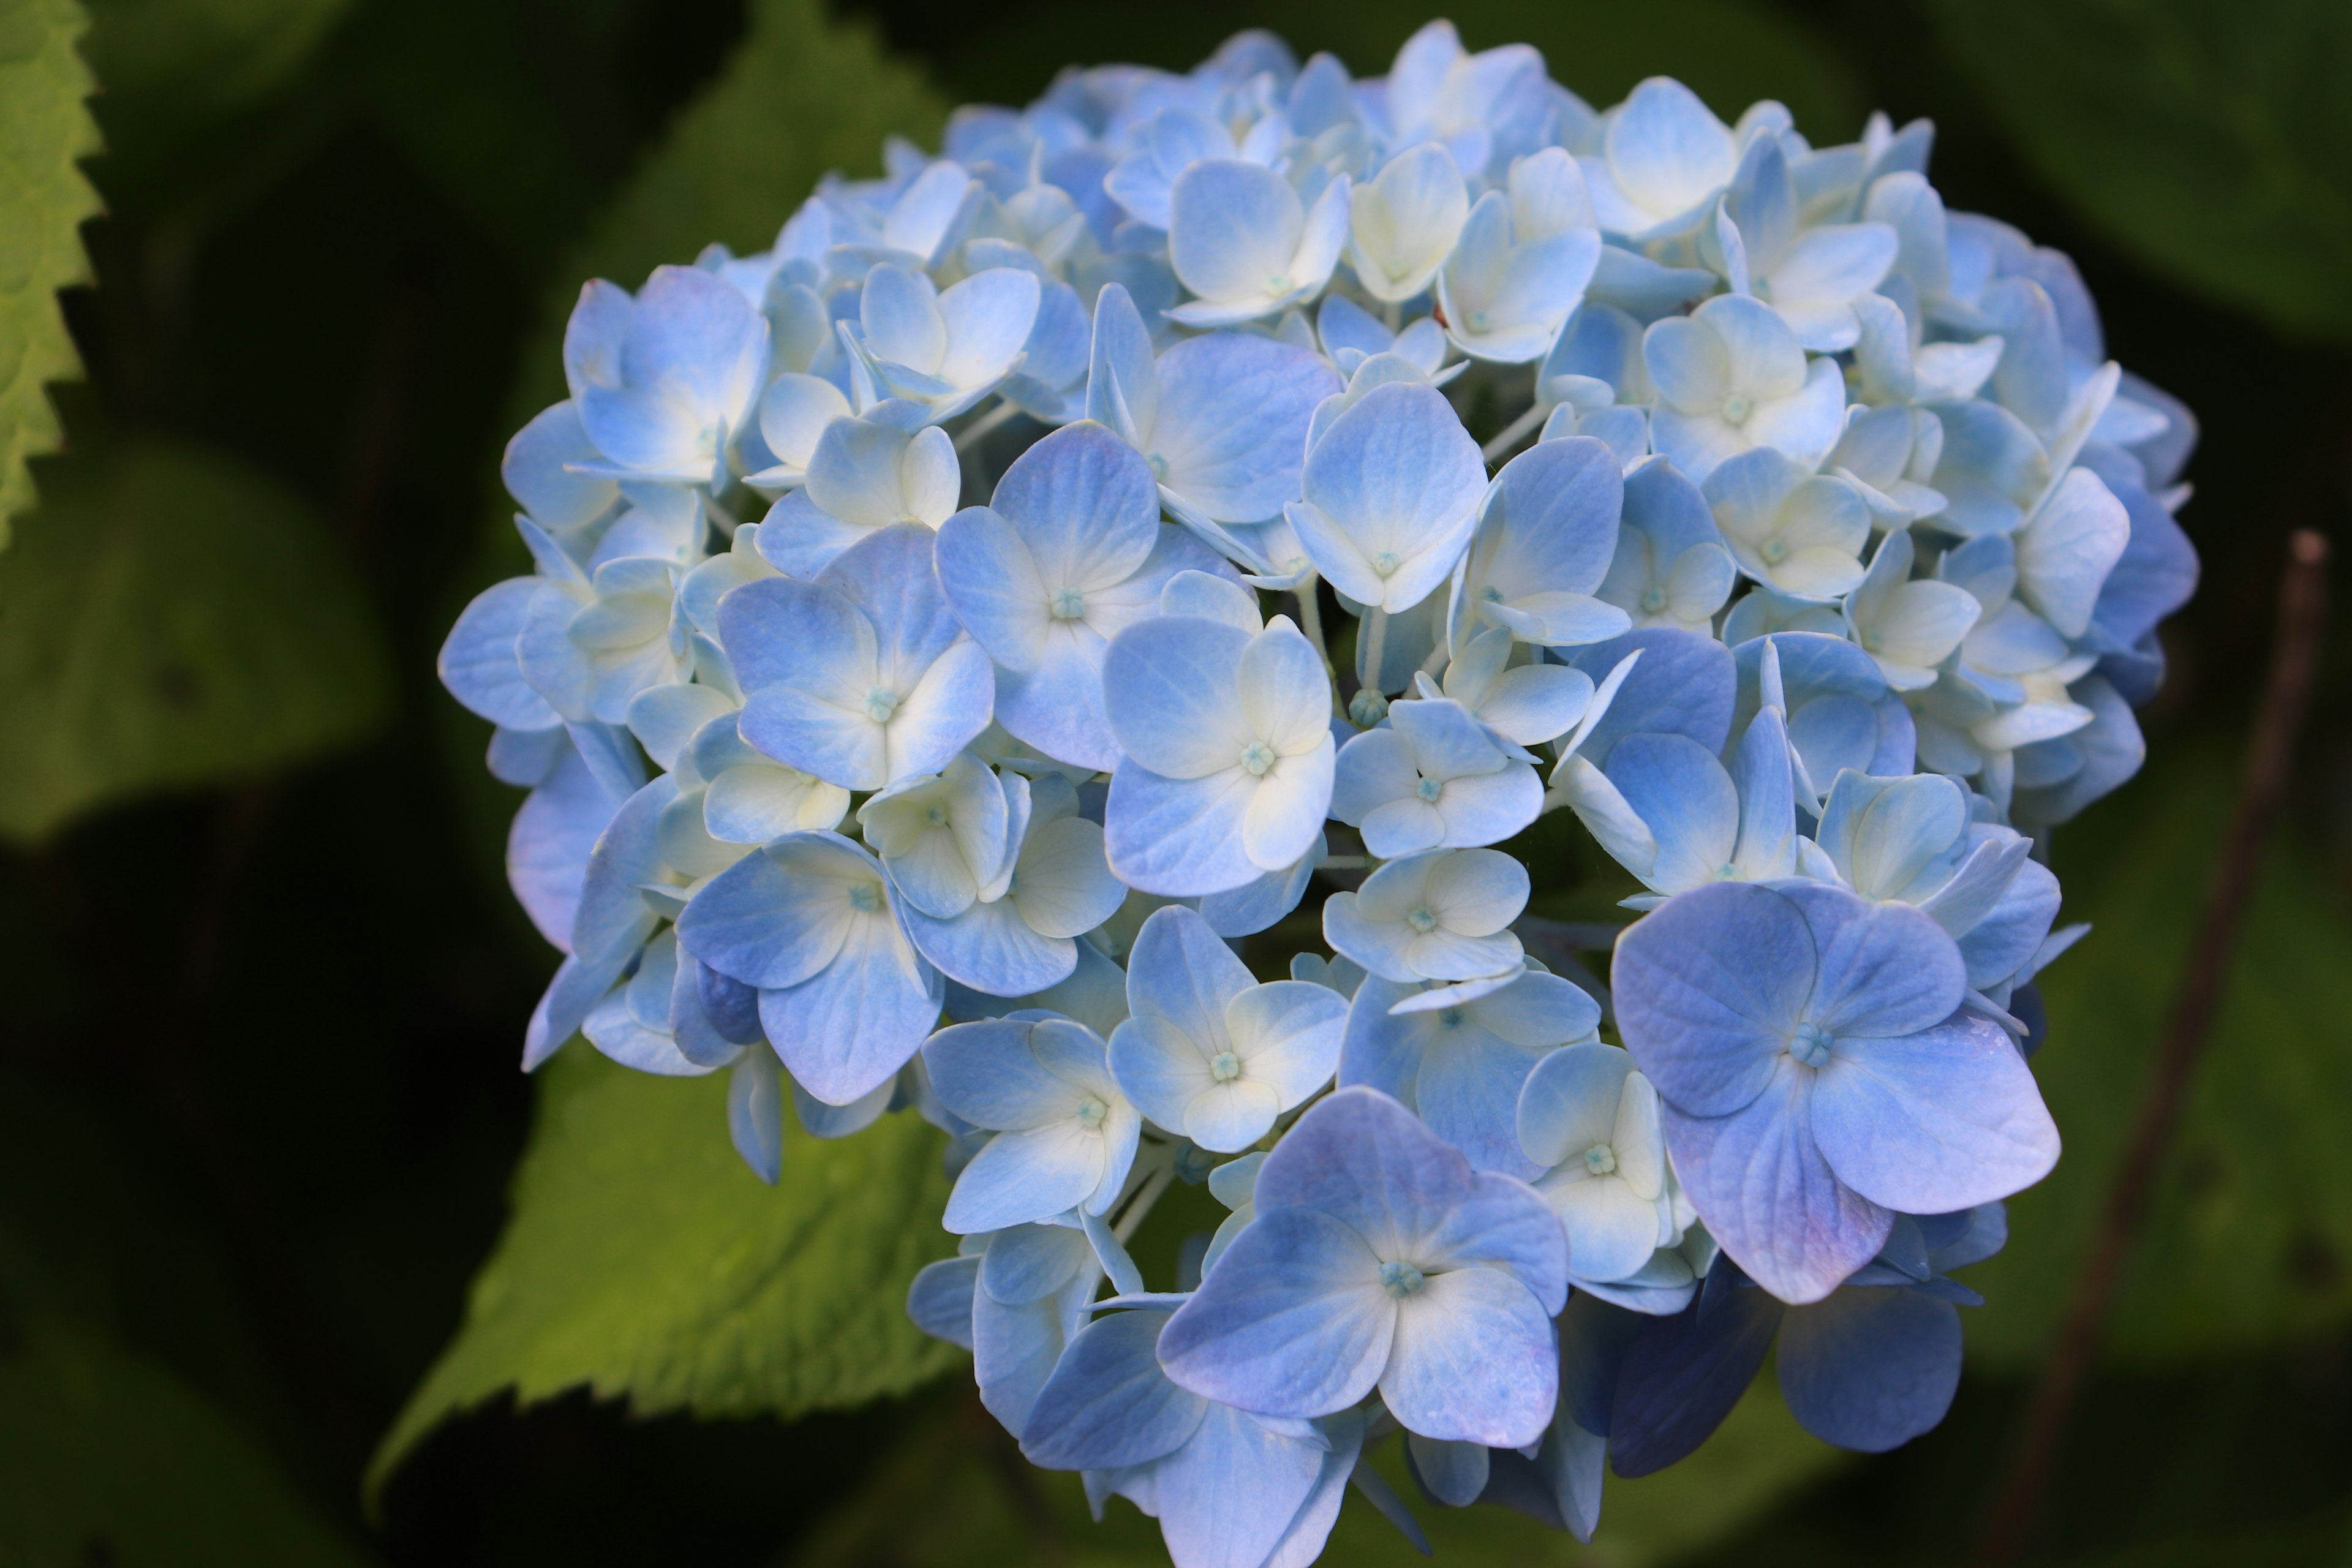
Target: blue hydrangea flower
{"x": 1524, "y": 259}
{"x": 1818, "y": 1075}
{"x": 1231, "y": 1489}
{"x": 1379, "y": 1259}
{"x": 1458, "y": 1056}
{"x": 1442, "y": 915}
{"x": 862, "y": 677}
{"x": 1731, "y": 376}
{"x": 1391, "y": 495}
{"x": 1404, "y": 221}
{"x": 1066, "y": 1135}
{"x": 1590, "y": 1123}
{"x": 1228, "y": 764}
{"x": 944, "y": 349}
{"x": 1068, "y": 553}
{"x": 1546, "y": 531}
{"x": 887, "y": 466}
{"x": 809, "y": 920}
{"x": 1208, "y": 1052}
{"x": 666, "y": 381}
{"x": 1245, "y": 245}
{"x": 1434, "y": 778}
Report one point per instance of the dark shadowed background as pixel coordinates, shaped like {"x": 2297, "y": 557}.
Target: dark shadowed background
{"x": 262, "y": 987}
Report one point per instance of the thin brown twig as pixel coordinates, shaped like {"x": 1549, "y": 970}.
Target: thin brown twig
{"x": 2015, "y": 1517}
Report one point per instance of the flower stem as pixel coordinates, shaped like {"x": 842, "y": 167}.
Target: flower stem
{"x": 1141, "y": 1205}
{"x": 1518, "y": 430}
{"x": 1376, "y": 637}
{"x": 971, "y": 434}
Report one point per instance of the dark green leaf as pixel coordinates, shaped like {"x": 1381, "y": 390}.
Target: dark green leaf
{"x": 2251, "y": 1240}
{"x": 2212, "y": 142}
{"x": 107, "y": 1457}
{"x": 187, "y": 62}
{"x": 45, "y": 132}
{"x": 170, "y": 617}
{"x": 643, "y": 1262}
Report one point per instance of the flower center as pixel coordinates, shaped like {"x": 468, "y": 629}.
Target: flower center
{"x": 1810, "y": 1045}
{"x": 1068, "y": 605}
{"x": 1158, "y": 466}
{"x": 937, "y": 815}
{"x": 1429, "y": 790}
{"x": 1421, "y": 921}
{"x": 1225, "y": 1067}
{"x": 1653, "y": 600}
{"x": 1450, "y": 1018}
{"x": 1494, "y": 594}
{"x": 866, "y": 897}
{"x": 1091, "y": 1112}
{"x": 1401, "y": 1279}
{"x": 1773, "y": 551}
{"x": 1479, "y": 322}
{"x": 1871, "y": 639}
{"x": 1601, "y": 1160}
{"x": 1386, "y": 563}
{"x": 1736, "y": 408}
{"x": 880, "y": 703}
{"x": 1367, "y": 708}
{"x": 1278, "y": 284}
{"x": 1257, "y": 757}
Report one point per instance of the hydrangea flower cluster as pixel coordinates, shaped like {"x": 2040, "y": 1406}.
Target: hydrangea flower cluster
{"x": 957, "y": 628}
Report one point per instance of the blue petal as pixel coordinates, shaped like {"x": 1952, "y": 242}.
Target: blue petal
{"x": 940, "y": 1298}
{"x": 1291, "y": 1322}
{"x": 1938, "y": 1120}
{"x": 1709, "y": 987}
{"x": 1682, "y": 685}
{"x": 1768, "y": 1195}
{"x": 755, "y": 1118}
{"x": 1870, "y": 1368}
{"x": 1682, "y": 1377}
{"x": 1107, "y": 1404}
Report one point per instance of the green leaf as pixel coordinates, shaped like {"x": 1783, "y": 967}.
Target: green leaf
{"x": 106, "y": 1456}
{"x": 946, "y": 1500}
{"x": 45, "y": 132}
{"x": 189, "y": 62}
{"x": 2250, "y": 1239}
{"x": 644, "y": 1263}
{"x": 170, "y": 617}
{"x": 2212, "y": 142}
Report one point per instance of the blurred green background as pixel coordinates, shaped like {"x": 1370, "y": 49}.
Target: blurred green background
{"x": 262, "y": 987}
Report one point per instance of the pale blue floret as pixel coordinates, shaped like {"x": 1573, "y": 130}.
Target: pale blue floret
{"x": 1434, "y": 779}
{"x": 1524, "y": 259}
{"x": 1066, "y": 1135}
{"x": 1809, "y": 275}
{"x": 861, "y": 676}
{"x": 1664, "y": 158}
{"x": 1379, "y": 1259}
{"x": 1813, "y": 1036}
{"x": 1228, "y": 765}
{"x": 943, "y": 349}
{"x": 1069, "y": 552}
{"x": 1046, "y": 885}
{"x": 1404, "y": 221}
{"x": 1245, "y": 244}
{"x": 808, "y": 919}
{"x": 1520, "y": 702}
{"x": 1208, "y": 1052}
{"x": 887, "y": 466}
{"x": 1456, "y": 1056}
{"x": 1442, "y": 915}
{"x": 1590, "y": 1124}
{"x": 666, "y": 381}
{"x": 1230, "y": 1489}
{"x": 1391, "y": 495}
{"x": 1731, "y": 376}
{"x": 1792, "y": 529}
{"x": 1220, "y": 419}
{"x": 1838, "y": 711}
{"x": 1671, "y": 568}
{"x": 1546, "y": 531}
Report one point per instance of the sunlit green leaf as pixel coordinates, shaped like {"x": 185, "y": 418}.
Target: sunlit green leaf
{"x": 643, "y": 1262}
{"x": 171, "y": 617}
{"x": 45, "y": 132}
{"x": 2212, "y": 142}
{"x": 2251, "y": 1240}
{"x": 107, "y": 1457}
